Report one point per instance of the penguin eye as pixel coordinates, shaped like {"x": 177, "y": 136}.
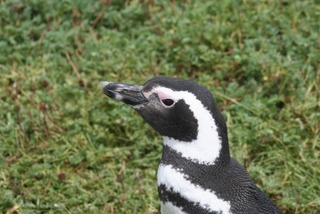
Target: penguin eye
{"x": 167, "y": 102}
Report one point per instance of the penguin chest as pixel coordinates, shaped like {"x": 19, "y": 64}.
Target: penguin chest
{"x": 179, "y": 195}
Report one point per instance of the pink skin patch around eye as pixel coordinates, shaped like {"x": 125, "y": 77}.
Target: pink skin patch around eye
{"x": 163, "y": 96}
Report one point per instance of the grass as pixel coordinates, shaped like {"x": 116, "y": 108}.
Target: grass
{"x": 66, "y": 148}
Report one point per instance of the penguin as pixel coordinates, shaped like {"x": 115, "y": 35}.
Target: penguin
{"x": 196, "y": 174}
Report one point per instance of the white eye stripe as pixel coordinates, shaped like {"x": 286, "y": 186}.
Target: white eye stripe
{"x": 205, "y": 149}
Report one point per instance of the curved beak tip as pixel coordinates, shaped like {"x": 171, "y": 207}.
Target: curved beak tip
{"x": 129, "y": 94}
{"x": 104, "y": 84}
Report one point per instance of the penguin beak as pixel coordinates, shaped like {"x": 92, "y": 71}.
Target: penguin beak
{"x": 129, "y": 94}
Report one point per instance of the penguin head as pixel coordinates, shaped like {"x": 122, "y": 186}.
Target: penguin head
{"x": 182, "y": 111}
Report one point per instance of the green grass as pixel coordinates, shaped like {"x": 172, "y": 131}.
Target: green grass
{"x": 67, "y": 148}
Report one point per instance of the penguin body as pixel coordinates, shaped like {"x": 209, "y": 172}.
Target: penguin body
{"x": 196, "y": 173}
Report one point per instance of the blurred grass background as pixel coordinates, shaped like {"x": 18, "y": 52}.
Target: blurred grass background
{"x": 67, "y": 148}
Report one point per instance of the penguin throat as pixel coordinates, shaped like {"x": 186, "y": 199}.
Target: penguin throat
{"x": 202, "y": 151}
